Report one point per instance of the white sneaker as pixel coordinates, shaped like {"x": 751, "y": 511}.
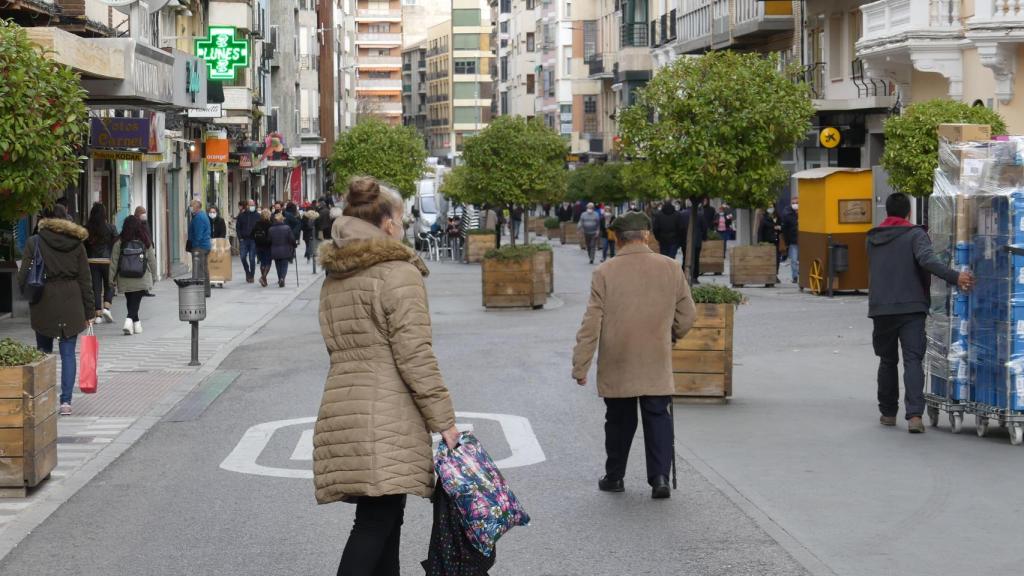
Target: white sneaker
{"x": 108, "y": 316}
{"x": 98, "y": 320}
{"x": 127, "y": 327}
{"x": 137, "y": 327}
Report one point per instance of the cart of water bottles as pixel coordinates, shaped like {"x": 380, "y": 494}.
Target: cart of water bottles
{"x": 975, "y": 358}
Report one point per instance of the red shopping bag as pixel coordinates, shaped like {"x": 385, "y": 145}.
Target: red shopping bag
{"x": 87, "y": 363}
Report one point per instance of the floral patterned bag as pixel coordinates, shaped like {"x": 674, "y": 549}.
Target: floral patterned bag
{"x": 487, "y": 506}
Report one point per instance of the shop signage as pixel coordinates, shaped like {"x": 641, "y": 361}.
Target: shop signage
{"x": 216, "y": 166}
{"x": 829, "y": 137}
{"x": 120, "y": 133}
{"x": 211, "y": 111}
{"x": 217, "y": 150}
{"x": 245, "y": 161}
{"x": 222, "y": 53}
{"x": 189, "y": 81}
{"x": 157, "y": 121}
{"x": 125, "y": 155}
{"x": 148, "y": 74}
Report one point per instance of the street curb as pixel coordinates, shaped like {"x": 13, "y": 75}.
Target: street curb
{"x": 787, "y": 541}
{"x": 28, "y": 520}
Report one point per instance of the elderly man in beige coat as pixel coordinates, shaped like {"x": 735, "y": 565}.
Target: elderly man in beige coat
{"x": 639, "y": 304}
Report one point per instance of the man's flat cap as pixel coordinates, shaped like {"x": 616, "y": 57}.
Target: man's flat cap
{"x": 631, "y": 221}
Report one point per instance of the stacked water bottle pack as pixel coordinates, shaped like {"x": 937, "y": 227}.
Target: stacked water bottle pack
{"x": 975, "y": 359}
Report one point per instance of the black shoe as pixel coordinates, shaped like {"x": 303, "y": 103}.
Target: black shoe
{"x": 606, "y": 485}
{"x": 660, "y": 488}
{"x": 148, "y": 293}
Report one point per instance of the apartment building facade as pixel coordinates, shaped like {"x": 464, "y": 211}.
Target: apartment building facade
{"x": 378, "y": 40}
{"x": 439, "y": 87}
{"x": 515, "y": 45}
{"x": 414, "y": 88}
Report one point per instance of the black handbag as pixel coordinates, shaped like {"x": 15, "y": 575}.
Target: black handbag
{"x": 36, "y": 280}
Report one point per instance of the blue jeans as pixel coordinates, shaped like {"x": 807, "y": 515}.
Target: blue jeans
{"x": 68, "y": 368}
{"x": 793, "y": 253}
{"x": 247, "y": 252}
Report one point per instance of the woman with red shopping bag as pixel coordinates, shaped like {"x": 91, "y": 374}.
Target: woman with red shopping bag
{"x": 66, "y": 305}
{"x": 384, "y": 393}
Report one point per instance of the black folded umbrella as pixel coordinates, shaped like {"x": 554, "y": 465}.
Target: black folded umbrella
{"x": 451, "y": 553}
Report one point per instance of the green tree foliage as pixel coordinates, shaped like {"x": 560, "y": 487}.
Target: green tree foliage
{"x": 454, "y": 186}
{"x": 43, "y": 124}
{"x": 911, "y": 141}
{"x": 391, "y": 154}
{"x": 598, "y": 182}
{"x": 514, "y": 162}
{"x": 722, "y": 121}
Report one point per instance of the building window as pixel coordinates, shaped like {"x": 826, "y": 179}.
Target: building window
{"x": 466, "y": 17}
{"x": 530, "y": 4}
{"x": 589, "y": 39}
{"x": 466, "y": 115}
{"x": 568, "y": 9}
{"x": 380, "y": 28}
{"x": 590, "y": 114}
{"x": 464, "y": 66}
{"x": 835, "y": 47}
{"x": 530, "y": 42}
{"x": 854, "y": 31}
{"x": 529, "y": 84}
{"x": 504, "y": 103}
{"x": 506, "y": 6}
{"x": 568, "y": 61}
{"x": 504, "y": 68}
{"x": 466, "y": 90}
{"x": 466, "y": 42}
{"x": 549, "y": 83}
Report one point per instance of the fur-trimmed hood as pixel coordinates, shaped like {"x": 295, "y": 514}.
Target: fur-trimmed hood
{"x": 357, "y": 245}
{"x": 311, "y": 214}
{"x": 60, "y": 234}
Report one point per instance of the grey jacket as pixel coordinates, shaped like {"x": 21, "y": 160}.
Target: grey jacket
{"x": 590, "y": 222}
{"x": 901, "y": 260}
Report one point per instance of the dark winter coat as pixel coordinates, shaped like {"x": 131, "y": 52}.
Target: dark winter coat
{"x": 900, "y": 260}
{"x": 790, "y": 227}
{"x": 294, "y": 222}
{"x": 324, "y": 222}
{"x": 282, "y": 241}
{"x": 218, "y": 227}
{"x": 766, "y": 232}
{"x": 67, "y": 297}
{"x": 245, "y": 222}
{"x": 667, "y": 226}
{"x": 265, "y": 226}
{"x": 98, "y": 248}
{"x": 309, "y": 220}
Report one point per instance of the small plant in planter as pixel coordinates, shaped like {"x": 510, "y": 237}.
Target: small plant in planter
{"x": 553, "y": 226}
{"x": 517, "y": 276}
{"x": 28, "y": 417}
{"x": 702, "y": 360}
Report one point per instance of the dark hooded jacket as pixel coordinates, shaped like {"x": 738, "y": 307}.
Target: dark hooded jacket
{"x": 901, "y": 260}
{"x": 668, "y": 227}
{"x": 67, "y": 296}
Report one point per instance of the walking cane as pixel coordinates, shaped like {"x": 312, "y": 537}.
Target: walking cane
{"x": 296, "y": 256}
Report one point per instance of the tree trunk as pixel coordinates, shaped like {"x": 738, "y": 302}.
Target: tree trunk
{"x": 691, "y": 240}
{"x": 526, "y": 227}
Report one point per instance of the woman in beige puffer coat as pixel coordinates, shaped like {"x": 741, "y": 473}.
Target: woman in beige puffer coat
{"x": 384, "y": 393}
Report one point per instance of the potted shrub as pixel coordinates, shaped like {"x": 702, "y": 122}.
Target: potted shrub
{"x": 753, "y": 265}
{"x": 28, "y": 417}
{"x": 478, "y": 242}
{"x": 516, "y": 277}
{"x": 553, "y": 227}
{"x": 702, "y": 360}
{"x": 712, "y": 254}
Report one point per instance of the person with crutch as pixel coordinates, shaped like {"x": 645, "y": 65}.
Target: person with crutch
{"x": 631, "y": 325}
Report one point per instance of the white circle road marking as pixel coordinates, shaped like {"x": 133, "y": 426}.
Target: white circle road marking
{"x": 518, "y": 433}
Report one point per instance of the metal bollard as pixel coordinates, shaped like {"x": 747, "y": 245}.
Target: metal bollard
{"x": 192, "y": 309}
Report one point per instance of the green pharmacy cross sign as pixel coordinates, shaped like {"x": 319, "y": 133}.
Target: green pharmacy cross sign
{"x": 222, "y": 53}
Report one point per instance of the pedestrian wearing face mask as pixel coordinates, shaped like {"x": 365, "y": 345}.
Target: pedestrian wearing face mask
{"x": 245, "y": 225}
{"x": 790, "y": 233}
{"x": 768, "y": 232}
{"x": 218, "y": 227}
{"x": 147, "y": 231}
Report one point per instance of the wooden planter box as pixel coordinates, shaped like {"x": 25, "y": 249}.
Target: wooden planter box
{"x": 752, "y": 265}
{"x": 548, "y": 258}
{"x": 554, "y": 233}
{"x": 477, "y": 245}
{"x": 515, "y": 283}
{"x": 28, "y": 425}
{"x": 712, "y": 257}
{"x": 702, "y": 361}
{"x": 569, "y": 232}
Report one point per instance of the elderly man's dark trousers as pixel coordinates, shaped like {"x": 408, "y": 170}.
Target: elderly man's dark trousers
{"x": 891, "y": 334}
{"x": 620, "y": 426}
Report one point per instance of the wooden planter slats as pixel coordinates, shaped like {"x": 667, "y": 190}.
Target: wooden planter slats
{"x": 753, "y": 265}
{"x": 702, "y": 360}
{"x": 712, "y": 257}
{"x": 477, "y": 245}
{"x": 554, "y": 233}
{"x": 568, "y": 232}
{"x": 28, "y": 425}
{"x": 517, "y": 283}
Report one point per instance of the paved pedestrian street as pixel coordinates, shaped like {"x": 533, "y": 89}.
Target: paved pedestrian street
{"x": 794, "y": 476}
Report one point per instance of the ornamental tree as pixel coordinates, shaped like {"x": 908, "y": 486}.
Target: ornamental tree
{"x": 599, "y": 183}
{"x": 392, "y": 154}
{"x": 514, "y": 162}
{"x": 912, "y": 145}
{"x": 716, "y": 126}
{"x": 43, "y": 125}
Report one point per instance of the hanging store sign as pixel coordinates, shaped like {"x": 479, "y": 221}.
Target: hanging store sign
{"x": 125, "y": 155}
{"x": 211, "y": 111}
{"x": 217, "y": 150}
{"x": 120, "y": 133}
{"x": 222, "y": 53}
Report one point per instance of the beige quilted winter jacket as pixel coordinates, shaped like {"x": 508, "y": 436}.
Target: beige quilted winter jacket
{"x": 384, "y": 392}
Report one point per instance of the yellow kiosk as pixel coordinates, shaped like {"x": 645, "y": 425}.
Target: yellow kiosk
{"x": 835, "y": 216}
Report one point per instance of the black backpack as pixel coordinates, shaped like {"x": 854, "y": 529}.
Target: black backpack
{"x": 132, "y": 262}
{"x": 261, "y": 234}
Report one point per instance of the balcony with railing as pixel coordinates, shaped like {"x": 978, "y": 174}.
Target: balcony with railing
{"x": 599, "y": 66}
{"x": 903, "y": 35}
{"x": 379, "y": 84}
{"x": 379, "y": 62}
{"x": 996, "y": 29}
{"x": 378, "y": 38}
{"x": 309, "y": 125}
{"x": 758, "y": 18}
{"x": 702, "y": 24}
{"x": 375, "y": 15}
{"x": 309, "y": 61}
{"x": 634, "y": 35}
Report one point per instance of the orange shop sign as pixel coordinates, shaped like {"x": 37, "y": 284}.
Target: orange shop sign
{"x": 217, "y": 150}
